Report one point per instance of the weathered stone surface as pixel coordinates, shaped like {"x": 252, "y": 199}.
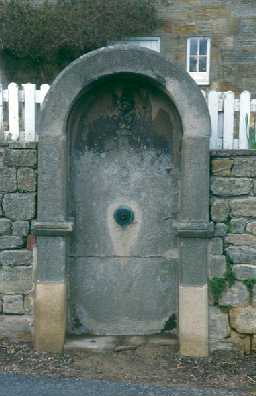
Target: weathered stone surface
{"x": 217, "y": 266}
{"x": 8, "y": 181}
{"x": 245, "y": 207}
{"x": 244, "y": 271}
{"x": 15, "y": 258}
{"x": 226, "y": 187}
{"x": 221, "y": 345}
{"x": 254, "y": 295}
{"x": 28, "y": 304}
{"x": 216, "y": 246}
{"x": 15, "y": 280}
{"x": 218, "y": 324}
{"x": 221, "y": 167}
{"x": 236, "y": 295}
{"x": 241, "y": 341}
{"x": 10, "y": 242}
{"x": 5, "y": 227}
{"x": 220, "y": 210}
{"x": 220, "y": 229}
{"x": 19, "y": 206}
{"x": 16, "y": 327}
{"x": 20, "y": 228}
{"x": 244, "y": 167}
{"x": 241, "y": 240}
{"x": 251, "y": 227}
{"x": 20, "y": 158}
{"x": 13, "y": 304}
{"x": 241, "y": 255}
{"x": 237, "y": 226}
{"x": 26, "y": 180}
{"x": 243, "y": 319}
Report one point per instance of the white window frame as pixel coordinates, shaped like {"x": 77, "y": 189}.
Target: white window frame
{"x": 201, "y": 78}
{"x": 153, "y": 43}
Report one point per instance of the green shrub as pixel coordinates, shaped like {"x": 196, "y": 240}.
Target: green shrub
{"x": 42, "y": 37}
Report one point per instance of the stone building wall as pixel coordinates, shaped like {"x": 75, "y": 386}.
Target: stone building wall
{"x": 232, "y": 251}
{"x": 18, "y": 164}
{"x": 231, "y": 26}
{"x": 232, "y": 260}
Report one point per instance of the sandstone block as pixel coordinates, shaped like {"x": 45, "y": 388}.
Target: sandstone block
{"x": 243, "y": 319}
{"x": 5, "y": 227}
{"x": 243, "y": 207}
{"x": 26, "y": 180}
{"x": 220, "y": 229}
{"x": 221, "y": 167}
{"x": 226, "y": 187}
{"x": 28, "y": 304}
{"x": 244, "y": 167}
{"x": 244, "y": 271}
{"x": 216, "y": 246}
{"x": 15, "y": 258}
{"x": 8, "y": 181}
{"x": 219, "y": 210}
{"x": 241, "y": 254}
{"x": 241, "y": 240}
{"x": 241, "y": 341}
{"x": 218, "y": 324}
{"x": 20, "y": 228}
{"x": 20, "y": 158}
{"x": 13, "y": 304}
{"x": 10, "y": 242}
{"x": 15, "y": 280}
{"x": 237, "y": 226}
{"x": 16, "y": 327}
{"x": 236, "y": 295}
{"x": 19, "y": 206}
{"x": 251, "y": 227}
{"x": 217, "y": 266}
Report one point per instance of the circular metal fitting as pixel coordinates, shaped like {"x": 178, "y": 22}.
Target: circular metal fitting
{"x": 124, "y": 216}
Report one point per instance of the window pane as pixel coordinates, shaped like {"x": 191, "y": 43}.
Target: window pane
{"x": 202, "y": 63}
{"x": 203, "y": 47}
{"x": 193, "y": 64}
{"x": 193, "y": 46}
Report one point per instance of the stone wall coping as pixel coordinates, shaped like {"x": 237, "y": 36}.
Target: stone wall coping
{"x": 233, "y": 153}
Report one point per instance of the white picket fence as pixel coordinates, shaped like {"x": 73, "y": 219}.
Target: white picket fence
{"x": 231, "y": 118}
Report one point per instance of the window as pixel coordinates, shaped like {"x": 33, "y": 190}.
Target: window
{"x": 152, "y": 43}
{"x": 198, "y": 59}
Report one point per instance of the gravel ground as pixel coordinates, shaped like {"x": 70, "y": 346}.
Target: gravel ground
{"x": 145, "y": 365}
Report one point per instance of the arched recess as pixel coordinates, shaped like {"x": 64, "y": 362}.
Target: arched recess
{"x": 53, "y": 225}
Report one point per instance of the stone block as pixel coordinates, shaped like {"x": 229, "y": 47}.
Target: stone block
{"x": 5, "y": 227}
{"x": 241, "y": 240}
{"x": 244, "y": 271}
{"x": 218, "y": 324}
{"x": 26, "y": 179}
{"x": 28, "y": 304}
{"x": 251, "y": 227}
{"x": 216, "y": 246}
{"x": 220, "y": 210}
{"x": 21, "y": 158}
{"x": 217, "y": 266}
{"x": 237, "y": 226}
{"x": 15, "y": 280}
{"x": 16, "y": 327}
{"x": 220, "y": 229}
{"x": 10, "y": 242}
{"x": 19, "y": 206}
{"x": 243, "y": 319}
{"x": 244, "y": 167}
{"x": 221, "y": 167}
{"x": 226, "y": 187}
{"x": 254, "y": 295}
{"x": 236, "y": 295}
{"x": 241, "y": 254}
{"x": 14, "y": 258}
{"x": 241, "y": 341}
{"x": 20, "y": 228}
{"x": 245, "y": 207}
{"x": 13, "y": 304}
{"x": 8, "y": 181}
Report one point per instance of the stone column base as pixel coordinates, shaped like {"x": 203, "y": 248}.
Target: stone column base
{"x": 50, "y": 317}
{"x": 193, "y": 320}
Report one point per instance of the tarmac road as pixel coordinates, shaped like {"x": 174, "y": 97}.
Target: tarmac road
{"x": 17, "y": 385}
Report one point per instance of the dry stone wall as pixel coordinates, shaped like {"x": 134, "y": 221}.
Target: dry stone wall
{"x": 18, "y": 163}
{"x": 232, "y": 252}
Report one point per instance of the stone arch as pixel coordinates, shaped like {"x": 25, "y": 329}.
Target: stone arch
{"x": 53, "y": 225}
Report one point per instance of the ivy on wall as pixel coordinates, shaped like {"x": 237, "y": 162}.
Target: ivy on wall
{"x": 39, "y": 38}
